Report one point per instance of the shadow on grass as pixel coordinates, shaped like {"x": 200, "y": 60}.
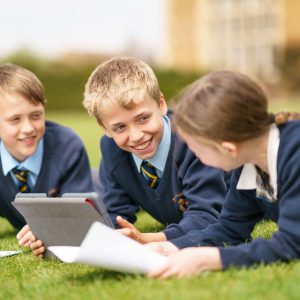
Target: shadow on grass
{"x": 95, "y": 275}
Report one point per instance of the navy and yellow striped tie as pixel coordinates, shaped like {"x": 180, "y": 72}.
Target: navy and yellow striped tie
{"x": 150, "y": 174}
{"x": 22, "y": 180}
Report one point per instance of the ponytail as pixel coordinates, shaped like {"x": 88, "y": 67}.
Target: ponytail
{"x": 285, "y": 116}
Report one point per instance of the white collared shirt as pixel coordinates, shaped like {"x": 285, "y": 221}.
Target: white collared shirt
{"x": 33, "y": 163}
{"x": 247, "y": 180}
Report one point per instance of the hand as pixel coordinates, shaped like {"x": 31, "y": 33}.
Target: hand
{"x": 129, "y": 230}
{"x": 27, "y": 239}
{"x": 164, "y": 248}
{"x": 189, "y": 262}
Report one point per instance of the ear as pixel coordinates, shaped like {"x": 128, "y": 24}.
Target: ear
{"x": 230, "y": 148}
{"x": 163, "y": 105}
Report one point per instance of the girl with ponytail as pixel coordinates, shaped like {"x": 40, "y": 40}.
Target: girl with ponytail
{"x": 223, "y": 117}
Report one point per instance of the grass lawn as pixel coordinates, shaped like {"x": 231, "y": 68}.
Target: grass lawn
{"x": 26, "y": 277}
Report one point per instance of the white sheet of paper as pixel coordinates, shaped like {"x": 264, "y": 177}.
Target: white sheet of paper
{"x": 9, "y": 253}
{"x": 107, "y": 248}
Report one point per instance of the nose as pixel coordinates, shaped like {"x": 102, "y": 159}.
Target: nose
{"x": 135, "y": 134}
{"x": 27, "y": 126}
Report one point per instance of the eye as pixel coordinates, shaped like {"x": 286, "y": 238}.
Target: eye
{"x": 14, "y": 120}
{"x": 36, "y": 116}
{"x": 144, "y": 119}
{"x": 119, "y": 129}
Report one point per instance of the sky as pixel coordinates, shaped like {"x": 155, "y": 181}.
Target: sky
{"x": 52, "y": 27}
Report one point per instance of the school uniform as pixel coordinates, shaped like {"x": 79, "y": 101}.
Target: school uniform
{"x": 59, "y": 165}
{"x": 189, "y": 195}
{"x": 248, "y": 201}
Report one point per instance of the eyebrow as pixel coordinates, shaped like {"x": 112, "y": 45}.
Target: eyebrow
{"x": 36, "y": 111}
{"x": 135, "y": 117}
{"x": 19, "y": 114}
{"x": 116, "y": 124}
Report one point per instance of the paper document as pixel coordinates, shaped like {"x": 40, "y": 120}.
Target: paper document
{"x": 107, "y": 248}
{"x": 10, "y": 253}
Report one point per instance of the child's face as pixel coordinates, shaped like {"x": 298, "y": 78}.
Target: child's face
{"x": 223, "y": 156}
{"x": 137, "y": 130}
{"x": 22, "y": 125}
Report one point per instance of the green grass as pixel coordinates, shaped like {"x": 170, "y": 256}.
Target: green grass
{"x": 27, "y": 277}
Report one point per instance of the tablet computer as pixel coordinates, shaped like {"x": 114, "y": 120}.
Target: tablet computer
{"x": 61, "y": 221}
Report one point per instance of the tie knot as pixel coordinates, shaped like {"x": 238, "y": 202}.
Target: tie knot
{"x": 22, "y": 174}
{"x": 150, "y": 174}
{"x": 22, "y": 179}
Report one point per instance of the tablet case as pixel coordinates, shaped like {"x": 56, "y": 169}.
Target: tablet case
{"x": 61, "y": 221}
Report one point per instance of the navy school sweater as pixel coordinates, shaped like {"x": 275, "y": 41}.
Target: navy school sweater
{"x": 125, "y": 190}
{"x": 65, "y": 169}
{"x": 242, "y": 210}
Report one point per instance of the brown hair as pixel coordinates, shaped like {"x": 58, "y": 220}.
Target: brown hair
{"x": 15, "y": 79}
{"x": 124, "y": 81}
{"x": 225, "y": 106}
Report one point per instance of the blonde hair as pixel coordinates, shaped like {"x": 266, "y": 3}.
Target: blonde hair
{"x": 16, "y": 80}
{"x": 226, "y": 106}
{"x": 124, "y": 81}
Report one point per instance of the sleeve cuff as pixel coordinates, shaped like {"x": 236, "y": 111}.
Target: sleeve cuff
{"x": 183, "y": 242}
{"x": 172, "y": 233}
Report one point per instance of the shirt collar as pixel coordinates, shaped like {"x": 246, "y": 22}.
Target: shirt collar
{"x": 33, "y": 163}
{"x": 161, "y": 155}
{"x": 247, "y": 180}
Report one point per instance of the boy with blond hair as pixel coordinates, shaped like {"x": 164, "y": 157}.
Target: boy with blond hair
{"x": 144, "y": 164}
{"x": 36, "y": 156}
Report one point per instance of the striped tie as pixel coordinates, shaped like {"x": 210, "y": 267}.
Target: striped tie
{"x": 150, "y": 174}
{"x": 22, "y": 177}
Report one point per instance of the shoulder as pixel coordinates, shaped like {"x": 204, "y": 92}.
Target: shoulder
{"x": 60, "y": 136}
{"x": 289, "y": 146}
{"x": 111, "y": 152}
{"x": 178, "y": 146}
{"x": 289, "y": 136}
{"x": 180, "y": 149}
{"x": 289, "y": 131}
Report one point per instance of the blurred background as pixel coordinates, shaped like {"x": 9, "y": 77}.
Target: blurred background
{"x": 63, "y": 41}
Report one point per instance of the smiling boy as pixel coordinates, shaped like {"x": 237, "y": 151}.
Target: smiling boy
{"x": 36, "y": 156}
{"x": 144, "y": 164}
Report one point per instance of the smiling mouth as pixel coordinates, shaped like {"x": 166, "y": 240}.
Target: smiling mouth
{"x": 142, "y": 146}
{"x": 27, "y": 139}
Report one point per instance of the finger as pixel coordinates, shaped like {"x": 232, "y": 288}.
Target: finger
{"x": 22, "y": 232}
{"x": 124, "y": 223}
{"x": 156, "y": 273}
{"x": 36, "y": 245}
{"x": 169, "y": 273}
{"x": 28, "y": 237}
{"x": 39, "y": 252}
